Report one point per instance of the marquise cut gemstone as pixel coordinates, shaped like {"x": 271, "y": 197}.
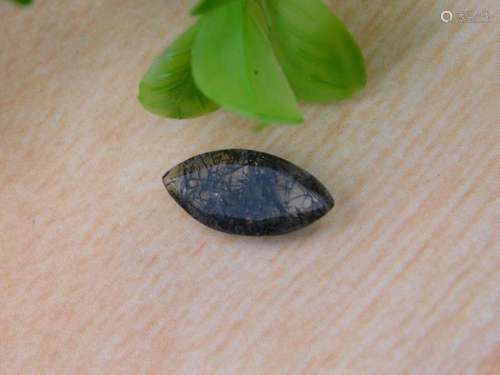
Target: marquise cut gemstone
{"x": 247, "y": 192}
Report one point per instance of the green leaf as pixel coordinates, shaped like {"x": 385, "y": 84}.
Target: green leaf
{"x": 23, "y": 2}
{"x": 168, "y": 88}
{"x": 205, "y": 6}
{"x": 317, "y": 53}
{"x": 234, "y": 65}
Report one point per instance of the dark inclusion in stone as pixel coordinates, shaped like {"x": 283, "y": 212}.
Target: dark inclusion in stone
{"x": 247, "y": 192}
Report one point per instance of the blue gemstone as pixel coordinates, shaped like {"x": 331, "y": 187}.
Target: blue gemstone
{"x": 247, "y": 192}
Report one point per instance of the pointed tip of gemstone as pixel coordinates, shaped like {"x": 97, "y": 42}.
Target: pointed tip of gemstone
{"x": 328, "y": 201}
{"x": 169, "y": 177}
{"x": 247, "y": 192}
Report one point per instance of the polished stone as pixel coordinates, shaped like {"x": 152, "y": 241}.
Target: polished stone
{"x": 247, "y": 192}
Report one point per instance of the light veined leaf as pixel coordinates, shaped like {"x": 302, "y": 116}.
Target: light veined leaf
{"x": 234, "y": 65}
{"x": 204, "y": 6}
{"x": 168, "y": 88}
{"x": 316, "y": 51}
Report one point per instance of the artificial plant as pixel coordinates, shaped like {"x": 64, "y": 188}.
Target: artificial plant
{"x": 256, "y": 58}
